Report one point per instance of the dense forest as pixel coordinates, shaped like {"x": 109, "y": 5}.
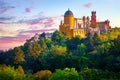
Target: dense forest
{"x": 60, "y": 58}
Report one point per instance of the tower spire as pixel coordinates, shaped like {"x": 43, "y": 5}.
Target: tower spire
{"x": 93, "y": 17}
{"x": 68, "y": 9}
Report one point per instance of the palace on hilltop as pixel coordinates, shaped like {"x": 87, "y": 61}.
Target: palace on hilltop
{"x": 73, "y": 27}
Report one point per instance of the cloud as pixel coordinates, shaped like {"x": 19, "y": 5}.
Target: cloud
{"x": 11, "y": 42}
{"x": 6, "y": 18}
{"x": 36, "y": 31}
{"x": 28, "y": 10}
{"x": 41, "y": 14}
{"x": 32, "y": 19}
{"x": 2, "y": 22}
{"x": 12, "y": 39}
{"x": 11, "y": 29}
{"x": 4, "y": 7}
{"x": 15, "y": 34}
{"x": 88, "y": 5}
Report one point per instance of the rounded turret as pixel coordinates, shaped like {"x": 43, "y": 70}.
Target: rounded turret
{"x": 69, "y": 19}
{"x": 68, "y": 13}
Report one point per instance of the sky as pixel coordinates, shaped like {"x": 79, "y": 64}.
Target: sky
{"x": 22, "y": 19}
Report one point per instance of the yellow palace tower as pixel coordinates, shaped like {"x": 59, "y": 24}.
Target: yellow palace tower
{"x": 68, "y": 25}
{"x": 71, "y": 27}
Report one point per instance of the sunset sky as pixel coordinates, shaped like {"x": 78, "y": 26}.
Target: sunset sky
{"x": 21, "y": 19}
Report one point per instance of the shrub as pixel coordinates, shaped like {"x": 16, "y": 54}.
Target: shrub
{"x": 66, "y": 74}
{"x": 42, "y": 75}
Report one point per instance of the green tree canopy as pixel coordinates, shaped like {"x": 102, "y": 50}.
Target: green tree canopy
{"x": 43, "y": 44}
{"x": 58, "y": 37}
{"x": 81, "y": 49}
{"x": 72, "y": 43}
{"x": 58, "y": 50}
{"x": 34, "y": 49}
{"x": 19, "y": 55}
{"x": 42, "y": 75}
{"x": 42, "y": 35}
{"x": 66, "y": 74}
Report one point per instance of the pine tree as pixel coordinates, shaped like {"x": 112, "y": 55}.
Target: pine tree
{"x": 34, "y": 49}
{"x": 19, "y": 55}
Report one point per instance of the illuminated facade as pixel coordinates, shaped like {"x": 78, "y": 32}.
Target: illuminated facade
{"x": 73, "y": 27}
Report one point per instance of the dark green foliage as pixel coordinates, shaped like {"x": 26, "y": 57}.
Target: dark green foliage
{"x": 58, "y": 38}
{"x": 81, "y": 49}
{"x": 42, "y": 35}
{"x": 96, "y": 39}
{"x": 73, "y": 43}
{"x": 43, "y": 44}
{"x": 89, "y": 42}
{"x": 94, "y": 74}
{"x": 2, "y": 57}
{"x": 95, "y": 58}
{"x": 89, "y": 74}
{"x": 66, "y": 74}
{"x": 9, "y": 57}
{"x": 49, "y": 43}
{"x": 57, "y": 62}
{"x": 115, "y": 48}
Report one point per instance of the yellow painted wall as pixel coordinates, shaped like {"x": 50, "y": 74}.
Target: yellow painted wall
{"x": 69, "y": 20}
{"x": 79, "y": 32}
{"x": 70, "y": 33}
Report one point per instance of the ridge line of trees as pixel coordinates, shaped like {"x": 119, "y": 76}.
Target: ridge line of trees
{"x": 92, "y": 56}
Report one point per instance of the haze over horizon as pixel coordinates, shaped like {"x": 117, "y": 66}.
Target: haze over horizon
{"x": 21, "y": 19}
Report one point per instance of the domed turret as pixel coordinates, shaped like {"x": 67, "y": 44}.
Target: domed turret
{"x": 69, "y": 19}
{"x": 68, "y": 13}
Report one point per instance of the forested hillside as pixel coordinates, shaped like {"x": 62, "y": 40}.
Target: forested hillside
{"x": 60, "y": 58}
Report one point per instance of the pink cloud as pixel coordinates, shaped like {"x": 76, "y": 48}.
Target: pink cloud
{"x": 2, "y": 23}
{"x": 32, "y": 32}
{"x": 20, "y": 39}
{"x": 5, "y": 9}
{"x": 88, "y": 5}
{"x": 11, "y": 42}
{"x": 34, "y": 27}
{"x": 37, "y": 25}
{"x": 6, "y": 46}
{"x": 46, "y": 22}
{"x": 4, "y": 6}
{"x": 28, "y": 10}
{"x": 35, "y": 22}
{"x": 41, "y": 14}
